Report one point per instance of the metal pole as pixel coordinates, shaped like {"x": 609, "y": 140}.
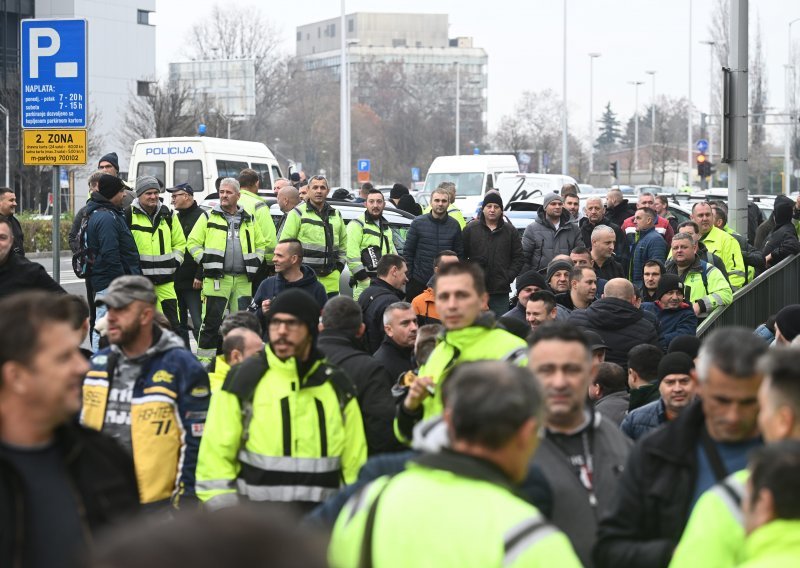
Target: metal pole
{"x": 787, "y": 154}
{"x": 737, "y": 164}
{"x": 4, "y": 110}
{"x": 636, "y": 123}
{"x": 344, "y": 115}
{"x": 564, "y": 118}
{"x": 592, "y": 57}
{"x": 56, "y": 189}
{"x": 689, "y": 151}
{"x": 458, "y": 110}
{"x": 709, "y": 127}
{"x": 652, "y": 128}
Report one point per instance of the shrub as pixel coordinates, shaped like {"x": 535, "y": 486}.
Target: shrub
{"x": 39, "y": 233}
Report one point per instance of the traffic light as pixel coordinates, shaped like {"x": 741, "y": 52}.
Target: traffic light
{"x": 614, "y": 168}
{"x": 702, "y": 165}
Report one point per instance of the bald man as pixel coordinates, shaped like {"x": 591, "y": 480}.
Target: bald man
{"x": 618, "y": 321}
{"x": 288, "y": 198}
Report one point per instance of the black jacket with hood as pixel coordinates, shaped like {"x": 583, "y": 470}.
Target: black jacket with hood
{"x": 621, "y": 325}
{"x": 498, "y": 252}
{"x": 782, "y": 241}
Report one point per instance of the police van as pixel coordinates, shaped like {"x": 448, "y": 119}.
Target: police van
{"x": 200, "y": 160}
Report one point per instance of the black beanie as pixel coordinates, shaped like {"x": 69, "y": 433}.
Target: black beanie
{"x": 298, "y": 303}
{"x": 398, "y": 191}
{"x": 556, "y": 265}
{"x": 530, "y": 278}
{"x": 111, "y": 158}
{"x": 783, "y": 213}
{"x": 689, "y": 344}
{"x": 788, "y": 321}
{"x": 492, "y": 197}
{"x": 108, "y": 186}
{"x": 668, "y": 283}
{"x": 676, "y": 363}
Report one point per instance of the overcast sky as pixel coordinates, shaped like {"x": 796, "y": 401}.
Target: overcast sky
{"x": 523, "y": 40}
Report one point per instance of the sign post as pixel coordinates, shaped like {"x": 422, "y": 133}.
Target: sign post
{"x": 363, "y": 170}
{"x": 53, "y": 91}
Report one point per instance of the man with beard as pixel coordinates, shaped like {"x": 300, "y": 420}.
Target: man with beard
{"x": 651, "y": 275}
{"x": 572, "y": 203}
{"x": 369, "y": 237}
{"x": 677, "y": 384}
{"x": 140, "y": 387}
{"x": 397, "y": 348}
{"x": 387, "y": 288}
{"x": 582, "y": 453}
{"x": 675, "y": 317}
{"x": 583, "y": 287}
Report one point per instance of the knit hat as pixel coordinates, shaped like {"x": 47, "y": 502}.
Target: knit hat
{"x": 398, "y": 191}
{"x": 146, "y": 183}
{"x": 556, "y": 265}
{"x": 298, "y": 303}
{"x": 676, "y": 363}
{"x": 549, "y": 198}
{"x": 111, "y": 158}
{"x": 689, "y": 344}
{"x": 668, "y": 283}
{"x": 788, "y": 321}
{"x": 108, "y": 186}
{"x": 492, "y": 197}
{"x": 530, "y": 278}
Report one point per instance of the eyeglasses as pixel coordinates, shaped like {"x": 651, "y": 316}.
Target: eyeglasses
{"x": 291, "y": 324}
{"x": 178, "y": 194}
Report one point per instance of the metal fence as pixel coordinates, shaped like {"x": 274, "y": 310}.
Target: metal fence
{"x": 765, "y": 296}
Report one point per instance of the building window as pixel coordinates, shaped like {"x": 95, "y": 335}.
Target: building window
{"x": 319, "y": 33}
{"x": 299, "y": 36}
{"x": 143, "y": 88}
{"x": 143, "y": 17}
{"x": 351, "y": 25}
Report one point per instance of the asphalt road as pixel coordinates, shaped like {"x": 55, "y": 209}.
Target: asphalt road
{"x": 68, "y": 280}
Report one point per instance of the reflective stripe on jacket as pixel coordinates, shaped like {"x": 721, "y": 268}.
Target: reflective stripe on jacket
{"x": 259, "y": 210}
{"x": 159, "y": 240}
{"x": 725, "y": 246}
{"x": 363, "y": 232}
{"x": 322, "y": 234}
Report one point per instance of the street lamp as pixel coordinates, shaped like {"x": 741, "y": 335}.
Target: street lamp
{"x": 458, "y": 109}
{"x": 710, "y": 45}
{"x": 689, "y": 149}
{"x": 636, "y": 124}
{"x": 344, "y": 110}
{"x": 564, "y": 118}
{"x": 4, "y": 110}
{"x": 652, "y": 128}
{"x": 787, "y": 155}
{"x": 592, "y": 57}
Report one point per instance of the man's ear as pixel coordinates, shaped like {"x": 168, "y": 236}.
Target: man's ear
{"x": 361, "y": 329}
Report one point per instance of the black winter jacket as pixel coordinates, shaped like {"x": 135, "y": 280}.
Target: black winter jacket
{"x": 395, "y": 359}
{"x": 112, "y": 242}
{"x": 18, "y": 274}
{"x": 621, "y": 325}
{"x": 426, "y": 238}
{"x": 498, "y": 252}
{"x": 19, "y": 238}
{"x": 587, "y": 227}
{"x": 189, "y": 269}
{"x": 374, "y": 301}
{"x": 653, "y": 497}
{"x": 782, "y": 241}
{"x": 373, "y": 388}
{"x": 620, "y": 212}
{"x": 101, "y": 474}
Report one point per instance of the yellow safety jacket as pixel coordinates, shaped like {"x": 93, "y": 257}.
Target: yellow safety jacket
{"x": 367, "y": 241}
{"x": 274, "y": 434}
{"x": 322, "y": 234}
{"x": 159, "y": 240}
{"x": 707, "y": 286}
{"x": 209, "y": 238}
{"x": 259, "y": 210}
{"x": 725, "y": 246}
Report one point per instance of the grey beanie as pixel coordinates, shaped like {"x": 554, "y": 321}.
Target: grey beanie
{"x": 144, "y": 183}
{"x": 549, "y": 198}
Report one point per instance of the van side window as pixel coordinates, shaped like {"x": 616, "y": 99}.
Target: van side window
{"x": 229, "y": 168}
{"x": 489, "y": 182}
{"x": 155, "y": 169}
{"x": 264, "y": 181}
{"x": 276, "y": 173}
{"x": 190, "y": 171}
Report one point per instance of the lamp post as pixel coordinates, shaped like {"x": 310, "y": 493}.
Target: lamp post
{"x": 652, "y": 127}
{"x": 564, "y": 118}
{"x": 4, "y": 110}
{"x": 787, "y": 154}
{"x": 636, "y": 124}
{"x": 458, "y": 110}
{"x": 592, "y": 57}
{"x": 710, "y": 132}
{"x": 689, "y": 150}
{"x": 344, "y": 110}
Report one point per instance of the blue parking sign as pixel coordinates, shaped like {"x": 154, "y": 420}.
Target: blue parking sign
{"x": 53, "y": 73}
{"x": 363, "y": 165}
{"x": 414, "y": 174}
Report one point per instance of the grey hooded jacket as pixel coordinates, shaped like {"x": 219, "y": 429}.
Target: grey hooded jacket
{"x": 541, "y": 241}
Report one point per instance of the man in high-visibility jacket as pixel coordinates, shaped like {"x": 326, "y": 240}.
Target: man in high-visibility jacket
{"x": 369, "y": 237}
{"x": 460, "y": 293}
{"x": 493, "y": 416}
{"x": 704, "y": 285}
{"x": 714, "y": 535}
{"x": 301, "y": 435}
{"x": 321, "y": 230}
{"x": 258, "y": 209}
{"x": 229, "y": 245}
{"x": 720, "y": 243}
{"x": 160, "y": 241}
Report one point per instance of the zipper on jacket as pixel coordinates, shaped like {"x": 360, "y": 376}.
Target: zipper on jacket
{"x": 287, "y": 426}
{"x": 323, "y": 431}
{"x": 249, "y": 245}
{"x": 161, "y": 242}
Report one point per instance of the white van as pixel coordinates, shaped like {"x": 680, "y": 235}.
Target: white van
{"x": 199, "y": 161}
{"x": 529, "y": 188}
{"x": 473, "y": 175}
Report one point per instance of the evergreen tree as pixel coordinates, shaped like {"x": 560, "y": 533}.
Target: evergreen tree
{"x": 609, "y": 129}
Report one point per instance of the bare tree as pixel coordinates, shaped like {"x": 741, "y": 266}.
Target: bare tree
{"x": 758, "y": 158}
{"x": 512, "y": 135}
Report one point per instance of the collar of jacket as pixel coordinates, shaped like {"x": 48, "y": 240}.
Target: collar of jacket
{"x": 695, "y": 266}
{"x": 338, "y": 337}
{"x": 464, "y": 465}
{"x": 646, "y": 232}
{"x": 483, "y": 323}
{"x": 712, "y": 235}
{"x": 676, "y": 443}
{"x": 500, "y": 222}
{"x": 384, "y": 284}
{"x": 98, "y": 198}
{"x": 392, "y": 344}
{"x": 156, "y": 216}
{"x": 311, "y": 372}
{"x": 239, "y": 211}
{"x": 326, "y": 209}
{"x": 777, "y": 537}
{"x": 380, "y": 221}
{"x": 565, "y": 219}
{"x": 441, "y": 221}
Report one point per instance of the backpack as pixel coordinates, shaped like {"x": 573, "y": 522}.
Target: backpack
{"x": 84, "y": 257}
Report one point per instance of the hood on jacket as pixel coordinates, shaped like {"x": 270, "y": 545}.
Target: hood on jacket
{"x": 613, "y": 313}
{"x": 163, "y": 341}
{"x": 96, "y": 201}
{"x": 778, "y": 200}
{"x": 565, "y": 218}
{"x": 308, "y": 278}
{"x": 783, "y": 212}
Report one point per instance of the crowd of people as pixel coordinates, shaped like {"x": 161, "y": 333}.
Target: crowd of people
{"x": 430, "y": 418}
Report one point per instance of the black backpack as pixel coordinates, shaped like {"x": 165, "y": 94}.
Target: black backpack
{"x": 84, "y": 257}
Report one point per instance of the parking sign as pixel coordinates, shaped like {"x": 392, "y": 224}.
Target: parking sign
{"x": 53, "y": 73}
{"x": 363, "y": 165}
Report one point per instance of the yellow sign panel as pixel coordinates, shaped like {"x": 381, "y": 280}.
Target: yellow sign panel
{"x": 54, "y": 147}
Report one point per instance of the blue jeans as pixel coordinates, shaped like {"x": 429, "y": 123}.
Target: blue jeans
{"x": 101, "y": 312}
{"x": 189, "y": 301}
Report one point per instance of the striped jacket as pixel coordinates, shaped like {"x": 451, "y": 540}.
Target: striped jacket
{"x": 159, "y": 240}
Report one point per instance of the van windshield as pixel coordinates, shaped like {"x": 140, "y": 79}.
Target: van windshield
{"x": 467, "y": 183}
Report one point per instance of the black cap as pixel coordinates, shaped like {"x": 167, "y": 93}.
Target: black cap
{"x": 182, "y": 187}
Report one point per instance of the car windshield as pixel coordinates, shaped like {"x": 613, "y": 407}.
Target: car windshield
{"x": 467, "y": 183}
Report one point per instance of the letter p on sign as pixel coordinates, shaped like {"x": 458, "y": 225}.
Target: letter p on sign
{"x": 63, "y": 69}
